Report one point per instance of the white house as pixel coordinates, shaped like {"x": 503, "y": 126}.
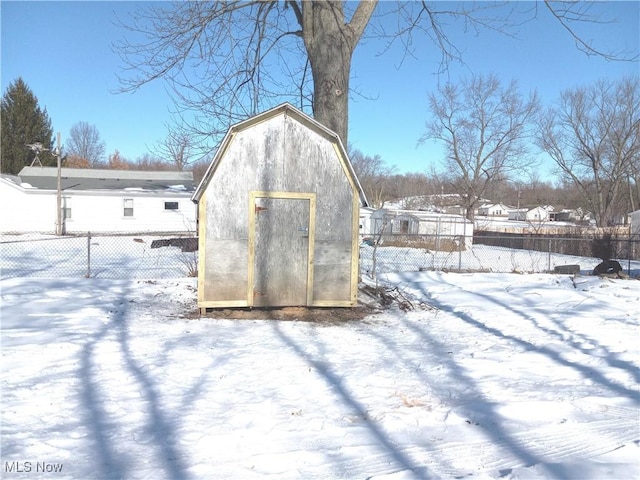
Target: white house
{"x": 493, "y": 210}
{"x": 533, "y": 215}
{"x": 100, "y": 201}
{"x": 417, "y": 222}
{"x": 365, "y": 226}
{"x": 634, "y": 221}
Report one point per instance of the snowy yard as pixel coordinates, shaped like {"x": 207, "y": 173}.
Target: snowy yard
{"x": 507, "y": 376}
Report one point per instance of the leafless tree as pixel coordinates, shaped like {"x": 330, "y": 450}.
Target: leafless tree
{"x": 374, "y": 176}
{"x": 150, "y": 162}
{"x": 413, "y": 190}
{"x": 593, "y": 135}
{"x": 199, "y": 168}
{"x": 177, "y": 148}
{"x": 482, "y": 125}
{"x": 226, "y": 61}
{"x": 84, "y": 143}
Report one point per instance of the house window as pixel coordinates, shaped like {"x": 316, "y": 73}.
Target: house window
{"x": 66, "y": 208}
{"x": 171, "y": 206}
{"x": 128, "y": 207}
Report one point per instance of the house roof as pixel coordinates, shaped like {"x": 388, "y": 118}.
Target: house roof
{"x": 492, "y": 205}
{"x": 422, "y": 215}
{"x": 101, "y": 179}
{"x": 291, "y": 111}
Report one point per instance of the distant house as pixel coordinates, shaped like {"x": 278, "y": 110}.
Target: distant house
{"x": 568, "y": 215}
{"x": 416, "y": 222}
{"x": 97, "y": 200}
{"x": 366, "y": 229}
{"x": 533, "y": 215}
{"x": 634, "y": 221}
{"x": 562, "y": 216}
{"x": 494, "y": 210}
{"x": 454, "y": 210}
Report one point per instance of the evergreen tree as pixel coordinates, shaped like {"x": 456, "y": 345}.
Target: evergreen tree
{"x": 23, "y": 123}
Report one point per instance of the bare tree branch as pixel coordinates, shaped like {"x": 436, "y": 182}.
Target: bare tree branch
{"x": 568, "y": 12}
{"x": 222, "y": 61}
{"x": 225, "y": 61}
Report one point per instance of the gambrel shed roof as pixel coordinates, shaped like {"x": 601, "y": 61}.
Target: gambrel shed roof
{"x": 288, "y": 110}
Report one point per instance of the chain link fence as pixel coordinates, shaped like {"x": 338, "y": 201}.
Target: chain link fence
{"x": 152, "y": 256}
{"x": 496, "y": 253}
{"x": 98, "y": 255}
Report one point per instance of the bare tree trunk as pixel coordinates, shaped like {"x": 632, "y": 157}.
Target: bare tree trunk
{"x": 330, "y": 43}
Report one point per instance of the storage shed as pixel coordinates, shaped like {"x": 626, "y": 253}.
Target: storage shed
{"x": 390, "y": 223}
{"x": 278, "y": 216}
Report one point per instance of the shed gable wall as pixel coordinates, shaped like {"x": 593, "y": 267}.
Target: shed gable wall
{"x": 277, "y": 155}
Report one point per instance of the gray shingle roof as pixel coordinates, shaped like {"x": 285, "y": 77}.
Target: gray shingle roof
{"x": 97, "y": 179}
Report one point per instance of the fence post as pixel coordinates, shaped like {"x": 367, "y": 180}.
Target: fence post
{"x": 549, "y": 255}
{"x": 88, "y": 254}
{"x": 461, "y": 239}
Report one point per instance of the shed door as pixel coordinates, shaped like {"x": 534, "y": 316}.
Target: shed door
{"x": 281, "y": 261}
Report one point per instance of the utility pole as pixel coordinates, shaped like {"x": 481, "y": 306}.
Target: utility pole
{"x": 59, "y": 191}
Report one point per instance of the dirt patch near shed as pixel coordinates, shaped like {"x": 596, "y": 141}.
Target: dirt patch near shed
{"x": 304, "y": 314}
{"x": 371, "y": 300}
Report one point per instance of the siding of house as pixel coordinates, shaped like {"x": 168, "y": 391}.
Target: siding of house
{"x": 366, "y": 227}
{"x": 34, "y": 210}
{"x": 634, "y": 220}
{"x": 26, "y": 211}
{"x": 149, "y": 213}
{"x": 493, "y": 210}
{"x": 538, "y": 214}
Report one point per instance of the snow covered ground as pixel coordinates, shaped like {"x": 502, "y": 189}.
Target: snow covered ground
{"x": 504, "y": 376}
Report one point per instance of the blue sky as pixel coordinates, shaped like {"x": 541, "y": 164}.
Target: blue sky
{"x": 62, "y": 50}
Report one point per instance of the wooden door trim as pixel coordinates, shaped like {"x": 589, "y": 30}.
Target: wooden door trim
{"x": 255, "y": 194}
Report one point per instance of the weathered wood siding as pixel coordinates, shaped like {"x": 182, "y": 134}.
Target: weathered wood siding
{"x": 283, "y": 157}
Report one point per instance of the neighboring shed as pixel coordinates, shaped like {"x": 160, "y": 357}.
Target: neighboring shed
{"x": 415, "y": 222}
{"x": 278, "y": 212}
